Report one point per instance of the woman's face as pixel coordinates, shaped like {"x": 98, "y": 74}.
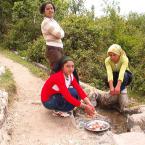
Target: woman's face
{"x": 68, "y": 67}
{"x": 49, "y": 11}
{"x": 114, "y": 57}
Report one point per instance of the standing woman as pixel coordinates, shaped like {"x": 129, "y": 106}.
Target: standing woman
{"x": 52, "y": 33}
{"x": 61, "y": 92}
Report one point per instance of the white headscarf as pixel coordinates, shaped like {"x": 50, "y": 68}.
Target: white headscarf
{"x": 115, "y": 48}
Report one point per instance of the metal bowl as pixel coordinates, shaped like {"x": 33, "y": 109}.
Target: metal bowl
{"x": 97, "y": 125}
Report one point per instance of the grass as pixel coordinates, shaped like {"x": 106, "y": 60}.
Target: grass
{"x": 34, "y": 69}
{"x": 7, "y": 84}
{"x": 139, "y": 99}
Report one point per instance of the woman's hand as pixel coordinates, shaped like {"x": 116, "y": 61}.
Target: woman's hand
{"x": 117, "y": 88}
{"x": 112, "y": 91}
{"x": 87, "y": 101}
{"x": 90, "y": 110}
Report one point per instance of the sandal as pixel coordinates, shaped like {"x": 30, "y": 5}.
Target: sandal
{"x": 61, "y": 114}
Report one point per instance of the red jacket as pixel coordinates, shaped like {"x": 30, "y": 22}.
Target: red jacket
{"x": 59, "y": 80}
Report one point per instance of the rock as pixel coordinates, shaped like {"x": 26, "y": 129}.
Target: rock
{"x": 142, "y": 108}
{"x": 136, "y": 120}
{"x": 2, "y": 70}
{"x": 4, "y": 137}
{"x": 91, "y": 92}
{"x": 130, "y": 138}
{"x": 133, "y": 110}
{"x": 16, "y": 52}
{"x": 36, "y": 102}
{"x": 41, "y": 66}
{"x": 3, "y": 113}
{"x": 24, "y": 58}
{"x": 3, "y": 106}
{"x": 136, "y": 128}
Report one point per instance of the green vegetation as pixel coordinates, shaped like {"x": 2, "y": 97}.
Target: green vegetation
{"x": 137, "y": 98}
{"x": 87, "y": 38}
{"x": 7, "y": 83}
{"x": 34, "y": 69}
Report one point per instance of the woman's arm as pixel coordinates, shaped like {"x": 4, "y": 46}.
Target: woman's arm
{"x": 65, "y": 92}
{"x": 110, "y": 76}
{"x": 55, "y": 30}
{"x": 90, "y": 110}
{"x": 109, "y": 70}
{"x": 112, "y": 89}
{"x": 87, "y": 101}
{"x": 80, "y": 91}
{"x": 117, "y": 88}
{"x": 86, "y": 104}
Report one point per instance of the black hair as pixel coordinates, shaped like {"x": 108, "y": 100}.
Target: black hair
{"x": 42, "y": 7}
{"x": 59, "y": 65}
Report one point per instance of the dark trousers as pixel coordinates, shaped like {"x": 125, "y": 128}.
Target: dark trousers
{"x": 126, "y": 81}
{"x": 58, "y": 102}
{"x": 53, "y": 55}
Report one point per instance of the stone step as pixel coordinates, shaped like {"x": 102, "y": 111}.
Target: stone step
{"x": 130, "y": 138}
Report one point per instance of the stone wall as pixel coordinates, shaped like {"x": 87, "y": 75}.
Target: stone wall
{"x": 2, "y": 70}
{"x": 136, "y": 122}
{"x": 3, "y": 106}
{"x": 3, "y": 115}
{"x": 3, "y": 111}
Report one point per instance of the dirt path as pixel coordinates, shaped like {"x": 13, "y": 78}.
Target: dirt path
{"x": 32, "y": 124}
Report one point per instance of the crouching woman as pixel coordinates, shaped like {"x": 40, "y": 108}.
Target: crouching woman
{"x": 119, "y": 76}
{"x": 62, "y": 93}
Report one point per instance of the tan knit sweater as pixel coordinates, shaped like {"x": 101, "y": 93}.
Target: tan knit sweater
{"x": 52, "y": 32}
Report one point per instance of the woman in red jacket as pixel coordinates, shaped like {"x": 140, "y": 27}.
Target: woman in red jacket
{"x": 61, "y": 92}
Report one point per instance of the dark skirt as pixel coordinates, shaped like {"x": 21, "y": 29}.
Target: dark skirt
{"x": 53, "y": 55}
